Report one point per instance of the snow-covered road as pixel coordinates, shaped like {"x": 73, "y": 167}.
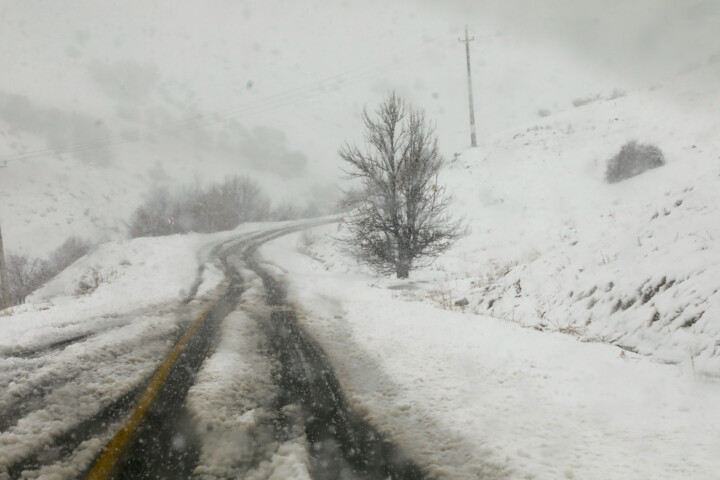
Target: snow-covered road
{"x": 223, "y": 384}
{"x": 74, "y": 362}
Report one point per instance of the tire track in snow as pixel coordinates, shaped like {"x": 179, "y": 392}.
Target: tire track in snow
{"x": 342, "y": 444}
{"x": 159, "y": 440}
{"x": 49, "y": 375}
{"x": 64, "y": 444}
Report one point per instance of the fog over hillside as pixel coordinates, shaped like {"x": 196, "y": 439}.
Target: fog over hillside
{"x": 176, "y": 92}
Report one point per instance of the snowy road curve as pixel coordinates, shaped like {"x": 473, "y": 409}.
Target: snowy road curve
{"x": 223, "y": 385}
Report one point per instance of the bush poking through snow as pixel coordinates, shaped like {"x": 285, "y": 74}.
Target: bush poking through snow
{"x": 580, "y": 102}
{"x": 306, "y": 241}
{"x": 92, "y": 279}
{"x": 633, "y": 159}
{"x": 616, "y": 93}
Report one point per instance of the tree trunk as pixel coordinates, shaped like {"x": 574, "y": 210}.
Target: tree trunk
{"x": 402, "y": 268}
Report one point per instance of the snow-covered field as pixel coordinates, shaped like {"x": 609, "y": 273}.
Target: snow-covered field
{"x": 470, "y": 396}
{"x": 117, "y": 279}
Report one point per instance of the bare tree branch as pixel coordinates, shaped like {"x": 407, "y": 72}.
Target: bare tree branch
{"x": 401, "y": 220}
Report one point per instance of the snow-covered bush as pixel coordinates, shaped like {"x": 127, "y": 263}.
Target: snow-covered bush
{"x": 543, "y": 112}
{"x": 92, "y": 279}
{"x": 633, "y": 159}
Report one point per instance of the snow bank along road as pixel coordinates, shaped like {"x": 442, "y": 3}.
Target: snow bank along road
{"x": 469, "y": 396}
{"x": 228, "y": 386}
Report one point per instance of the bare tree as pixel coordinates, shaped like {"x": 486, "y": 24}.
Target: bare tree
{"x": 25, "y": 276}
{"x": 72, "y": 249}
{"x": 151, "y": 219}
{"x": 402, "y": 217}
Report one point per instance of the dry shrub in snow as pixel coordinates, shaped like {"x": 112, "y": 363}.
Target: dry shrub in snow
{"x": 25, "y": 274}
{"x": 579, "y": 102}
{"x": 306, "y": 241}
{"x": 633, "y": 159}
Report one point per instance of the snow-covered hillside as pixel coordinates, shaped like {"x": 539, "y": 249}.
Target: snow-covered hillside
{"x": 633, "y": 263}
{"x": 553, "y": 246}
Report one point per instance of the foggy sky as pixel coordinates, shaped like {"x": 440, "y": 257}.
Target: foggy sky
{"x": 255, "y": 67}
{"x": 642, "y": 38}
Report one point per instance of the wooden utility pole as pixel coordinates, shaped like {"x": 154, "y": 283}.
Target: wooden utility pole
{"x": 3, "y": 276}
{"x": 467, "y": 40}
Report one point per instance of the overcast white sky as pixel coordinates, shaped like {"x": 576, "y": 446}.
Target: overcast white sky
{"x": 305, "y": 69}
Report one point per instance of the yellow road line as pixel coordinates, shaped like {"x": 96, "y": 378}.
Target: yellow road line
{"x": 102, "y": 468}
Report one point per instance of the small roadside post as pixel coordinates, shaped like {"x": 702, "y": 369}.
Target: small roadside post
{"x": 3, "y": 276}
